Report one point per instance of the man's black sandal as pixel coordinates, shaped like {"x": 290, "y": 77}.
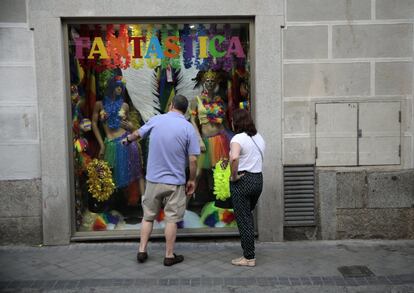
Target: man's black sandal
{"x": 142, "y": 256}
{"x": 169, "y": 261}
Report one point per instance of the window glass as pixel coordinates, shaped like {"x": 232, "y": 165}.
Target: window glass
{"x": 121, "y": 75}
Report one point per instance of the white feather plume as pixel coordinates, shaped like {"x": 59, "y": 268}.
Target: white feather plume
{"x": 186, "y": 84}
{"x": 142, "y": 90}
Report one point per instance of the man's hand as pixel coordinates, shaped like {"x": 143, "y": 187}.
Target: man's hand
{"x": 126, "y": 141}
{"x": 190, "y": 187}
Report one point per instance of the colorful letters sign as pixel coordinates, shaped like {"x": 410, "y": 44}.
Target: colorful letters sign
{"x": 172, "y": 44}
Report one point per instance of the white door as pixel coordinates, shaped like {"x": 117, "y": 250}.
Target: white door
{"x": 379, "y": 137}
{"x": 336, "y": 134}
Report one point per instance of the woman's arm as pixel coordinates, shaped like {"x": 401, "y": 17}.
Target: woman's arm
{"x": 193, "y": 109}
{"x": 125, "y": 123}
{"x": 95, "y": 118}
{"x": 235, "y": 149}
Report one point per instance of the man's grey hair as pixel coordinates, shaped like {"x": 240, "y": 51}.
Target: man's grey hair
{"x": 180, "y": 103}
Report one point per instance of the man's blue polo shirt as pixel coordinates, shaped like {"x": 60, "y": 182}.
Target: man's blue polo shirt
{"x": 172, "y": 140}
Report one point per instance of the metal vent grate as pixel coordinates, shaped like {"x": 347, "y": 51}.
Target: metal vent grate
{"x": 299, "y": 195}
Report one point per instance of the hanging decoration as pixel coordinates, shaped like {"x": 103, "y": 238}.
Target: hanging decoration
{"x": 228, "y": 58}
{"x": 100, "y": 183}
{"x": 188, "y": 46}
{"x": 215, "y": 63}
{"x": 153, "y": 61}
{"x": 136, "y": 31}
{"x": 161, "y": 45}
{"x": 164, "y": 34}
{"x": 85, "y": 35}
{"x": 176, "y": 61}
{"x": 117, "y": 47}
{"x": 222, "y": 180}
{"x": 204, "y": 63}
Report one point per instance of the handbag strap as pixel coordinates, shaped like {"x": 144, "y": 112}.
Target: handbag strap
{"x": 260, "y": 151}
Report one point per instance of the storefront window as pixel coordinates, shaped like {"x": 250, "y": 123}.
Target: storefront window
{"x": 123, "y": 74}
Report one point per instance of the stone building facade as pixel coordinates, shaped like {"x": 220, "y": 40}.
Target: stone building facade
{"x": 332, "y": 86}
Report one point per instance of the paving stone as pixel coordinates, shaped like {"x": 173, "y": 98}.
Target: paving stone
{"x": 195, "y": 282}
{"x": 295, "y": 281}
{"x": 262, "y": 281}
{"x": 306, "y": 281}
{"x": 203, "y": 271}
{"x": 284, "y": 281}
{"x": 316, "y": 280}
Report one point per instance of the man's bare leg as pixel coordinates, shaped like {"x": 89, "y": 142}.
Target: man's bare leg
{"x": 146, "y": 230}
{"x": 170, "y": 235}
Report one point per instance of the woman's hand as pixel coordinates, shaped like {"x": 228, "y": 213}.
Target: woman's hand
{"x": 127, "y": 125}
{"x": 202, "y": 146}
{"x": 236, "y": 178}
{"x": 101, "y": 152}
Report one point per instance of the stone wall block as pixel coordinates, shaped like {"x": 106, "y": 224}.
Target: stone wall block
{"x": 150, "y": 8}
{"x": 394, "y": 78}
{"x": 18, "y": 123}
{"x": 13, "y": 11}
{"x": 394, "y": 9}
{"x": 298, "y": 150}
{"x": 20, "y": 198}
{"x": 19, "y": 83}
{"x": 391, "y": 189}
{"x": 375, "y": 223}
{"x": 326, "y": 192}
{"x": 372, "y": 41}
{"x": 16, "y": 45}
{"x": 27, "y": 166}
{"x": 298, "y": 117}
{"x": 316, "y": 10}
{"x": 22, "y": 230}
{"x": 318, "y": 80}
{"x": 305, "y": 42}
{"x": 351, "y": 189}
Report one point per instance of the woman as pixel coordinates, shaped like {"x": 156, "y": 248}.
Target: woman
{"x": 246, "y": 181}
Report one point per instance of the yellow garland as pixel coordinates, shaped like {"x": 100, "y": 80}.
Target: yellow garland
{"x": 221, "y": 180}
{"x": 100, "y": 182}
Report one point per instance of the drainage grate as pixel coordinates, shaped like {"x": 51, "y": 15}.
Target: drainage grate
{"x": 355, "y": 271}
{"x": 299, "y": 195}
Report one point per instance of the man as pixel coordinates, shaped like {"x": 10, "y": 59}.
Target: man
{"x": 172, "y": 141}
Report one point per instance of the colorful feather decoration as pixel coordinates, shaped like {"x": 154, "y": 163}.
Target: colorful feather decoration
{"x": 142, "y": 86}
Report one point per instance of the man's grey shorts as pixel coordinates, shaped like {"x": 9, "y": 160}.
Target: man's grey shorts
{"x": 171, "y": 196}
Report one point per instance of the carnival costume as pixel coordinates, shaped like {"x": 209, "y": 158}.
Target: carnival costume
{"x": 125, "y": 161}
{"x": 218, "y": 145}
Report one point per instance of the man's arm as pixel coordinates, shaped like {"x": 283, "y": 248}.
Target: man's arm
{"x": 191, "y": 185}
{"x": 142, "y": 132}
{"x": 131, "y": 137}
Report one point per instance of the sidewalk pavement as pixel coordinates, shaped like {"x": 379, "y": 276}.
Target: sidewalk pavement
{"x": 304, "y": 266}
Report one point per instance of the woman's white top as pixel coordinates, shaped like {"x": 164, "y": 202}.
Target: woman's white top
{"x": 250, "y": 159}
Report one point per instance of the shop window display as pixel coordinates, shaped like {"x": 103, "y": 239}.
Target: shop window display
{"x": 123, "y": 74}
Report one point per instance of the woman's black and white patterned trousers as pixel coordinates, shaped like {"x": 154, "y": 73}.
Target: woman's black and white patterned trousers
{"x": 244, "y": 193}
